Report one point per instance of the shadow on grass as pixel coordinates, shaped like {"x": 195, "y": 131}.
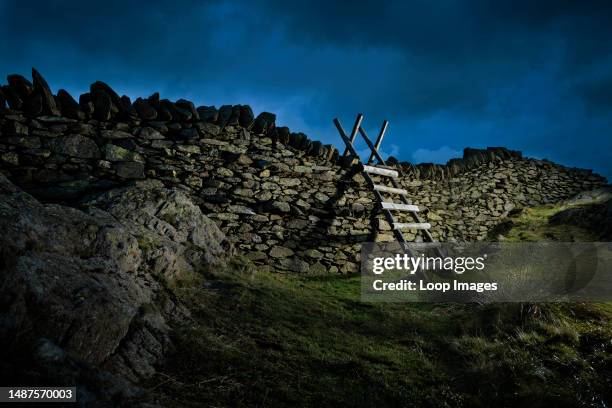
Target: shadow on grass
{"x": 264, "y": 340}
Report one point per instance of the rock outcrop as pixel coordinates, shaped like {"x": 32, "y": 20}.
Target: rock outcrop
{"x": 284, "y": 200}
{"x": 591, "y": 210}
{"x": 90, "y": 285}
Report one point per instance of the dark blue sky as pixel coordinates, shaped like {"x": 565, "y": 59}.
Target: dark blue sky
{"x": 535, "y": 76}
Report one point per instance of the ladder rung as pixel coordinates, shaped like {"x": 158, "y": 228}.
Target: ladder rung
{"x": 381, "y": 172}
{"x": 393, "y": 190}
{"x": 399, "y": 207}
{"x": 412, "y": 225}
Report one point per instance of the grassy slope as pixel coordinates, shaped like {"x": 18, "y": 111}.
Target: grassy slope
{"x": 262, "y": 339}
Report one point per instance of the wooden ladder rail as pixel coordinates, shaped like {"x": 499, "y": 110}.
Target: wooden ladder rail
{"x": 393, "y": 180}
{"x": 387, "y": 213}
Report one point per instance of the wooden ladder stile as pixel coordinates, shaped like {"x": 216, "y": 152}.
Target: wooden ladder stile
{"x": 383, "y": 170}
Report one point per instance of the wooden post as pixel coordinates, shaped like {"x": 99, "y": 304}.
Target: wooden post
{"x": 372, "y": 147}
{"x": 379, "y": 139}
{"x": 353, "y": 132}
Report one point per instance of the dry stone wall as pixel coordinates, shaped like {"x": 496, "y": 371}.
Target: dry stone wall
{"x": 286, "y": 201}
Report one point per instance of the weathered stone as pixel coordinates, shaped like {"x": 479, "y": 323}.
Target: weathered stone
{"x": 86, "y": 104}
{"x": 383, "y": 225}
{"x": 206, "y": 128}
{"x": 264, "y": 122}
{"x": 224, "y": 114}
{"x": 87, "y": 282}
{"x": 165, "y": 112}
{"x": 188, "y": 134}
{"x": 297, "y": 223}
{"x": 178, "y": 113}
{"x": 244, "y": 192}
{"x": 313, "y": 253}
{"x": 289, "y": 182}
{"x": 41, "y": 87}
{"x": 16, "y": 128}
{"x": 213, "y": 142}
{"x": 20, "y": 85}
{"x": 149, "y": 133}
{"x": 153, "y": 100}
{"x": 278, "y": 206}
{"x": 244, "y": 160}
{"x": 115, "y": 153}
{"x": 161, "y": 144}
{"x": 208, "y": 113}
{"x": 298, "y": 140}
{"x": 322, "y": 197}
{"x": 115, "y": 134}
{"x": 101, "y": 87}
{"x": 264, "y": 196}
{"x": 189, "y": 106}
{"x": 191, "y": 149}
{"x": 280, "y": 252}
{"x": 281, "y": 134}
{"x": 76, "y": 146}
{"x": 32, "y": 142}
{"x": 240, "y": 209}
{"x": 246, "y": 116}
{"x": 223, "y": 172}
{"x": 69, "y": 107}
{"x": 358, "y": 178}
{"x": 103, "y": 106}
{"x": 144, "y": 110}
{"x": 257, "y": 256}
{"x": 10, "y": 158}
{"x": 234, "y": 116}
{"x": 127, "y": 108}
{"x": 129, "y": 170}
{"x": 294, "y": 264}
{"x": 13, "y": 100}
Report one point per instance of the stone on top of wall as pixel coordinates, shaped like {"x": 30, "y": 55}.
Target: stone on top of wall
{"x": 103, "y": 104}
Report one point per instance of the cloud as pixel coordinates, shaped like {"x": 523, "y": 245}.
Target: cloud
{"x": 439, "y": 156}
{"x": 385, "y": 154}
{"x": 531, "y": 76}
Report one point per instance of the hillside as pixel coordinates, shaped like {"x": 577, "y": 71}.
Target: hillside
{"x": 233, "y": 334}
{"x": 307, "y": 336}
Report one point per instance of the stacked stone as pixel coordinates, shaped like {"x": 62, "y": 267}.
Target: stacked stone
{"x": 286, "y": 201}
{"x": 466, "y": 207}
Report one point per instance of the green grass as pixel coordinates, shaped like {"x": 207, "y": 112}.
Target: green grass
{"x": 531, "y": 225}
{"x": 259, "y": 339}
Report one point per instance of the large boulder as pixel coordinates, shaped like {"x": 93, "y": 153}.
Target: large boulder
{"x": 174, "y": 234}
{"x": 90, "y": 285}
